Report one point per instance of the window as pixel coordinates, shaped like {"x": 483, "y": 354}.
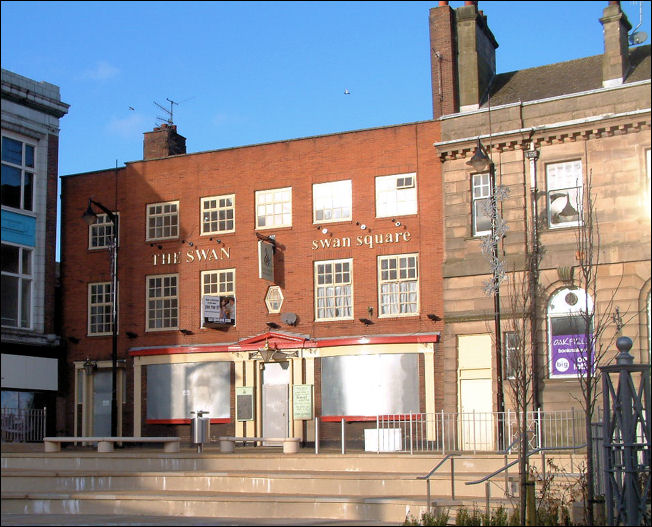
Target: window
{"x": 100, "y": 309}
{"x": 274, "y": 208}
{"x": 567, "y": 332}
{"x": 481, "y": 194}
{"x": 100, "y": 233}
{"x": 564, "y": 193}
{"x": 398, "y": 285}
{"x": 163, "y": 221}
{"x": 17, "y": 174}
{"x": 396, "y": 195}
{"x": 218, "y": 214}
{"x": 511, "y": 354}
{"x": 333, "y": 290}
{"x": 162, "y": 302}
{"x": 274, "y": 299}
{"x": 331, "y": 201}
{"x": 16, "y": 286}
{"x": 221, "y": 286}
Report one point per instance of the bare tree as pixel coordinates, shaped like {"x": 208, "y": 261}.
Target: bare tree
{"x": 595, "y": 317}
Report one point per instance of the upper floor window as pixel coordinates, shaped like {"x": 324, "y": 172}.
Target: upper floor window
{"x": 274, "y": 208}
{"x": 564, "y": 182}
{"x": 100, "y": 233}
{"x": 396, "y": 195}
{"x": 481, "y": 194}
{"x": 17, "y": 174}
{"x": 162, "y": 302}
{"x": 334, "y": 290}
{"x": 398, "y": 285}
{"x": 511, "y": 354}
{"x": 218, "y": 214}
{"x": 220, "y": 285}
{"x": 100, "y": 309}
{"x": 163, "y": 220}
{"x": 16, "y": 286}
{"x": 331, "y": 201}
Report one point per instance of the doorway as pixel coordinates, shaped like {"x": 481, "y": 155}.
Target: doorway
{"x": 276, "y": 389}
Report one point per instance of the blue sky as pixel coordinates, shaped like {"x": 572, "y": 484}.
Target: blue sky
{"x": 251, "y": 72}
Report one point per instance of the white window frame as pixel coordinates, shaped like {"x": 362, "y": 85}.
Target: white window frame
{"x": 274, "y": 299}
{"x": 102, "y": 231}
{"x": 163, "y": 215}
{"x": 394, "y": 197}
{"x": 171, "y": 298}
{"x": 401, "y": 270}
{"x": 106, "y": 306}
{"x": 334, "y": 273}
{"x": 480, "y": 201}
{"x": 332, "y": 201}
{"x": 569, "y": 183}
{"x": 219, "y": 286}
{"x": 274, "y": 206}
{"x": 25, "y": 278}
{"x": 24, "y": 170}
{"x": 510, "y": 348}
{"x": 214, "y": 206}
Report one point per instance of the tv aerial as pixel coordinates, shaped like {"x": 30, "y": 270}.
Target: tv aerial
{"x": 638, "y": 37}
{"x": 170, "y": 113}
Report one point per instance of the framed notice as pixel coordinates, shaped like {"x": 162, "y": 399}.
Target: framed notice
{"x": 218, "y": 310}
{"x": 302, "y": 401}
{"x": 244, "y": 403}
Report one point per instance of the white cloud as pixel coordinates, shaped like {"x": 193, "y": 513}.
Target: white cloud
{"x": 101, "y": 71}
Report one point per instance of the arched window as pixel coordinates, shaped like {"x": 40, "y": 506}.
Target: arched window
{"x": 567, "y": 330}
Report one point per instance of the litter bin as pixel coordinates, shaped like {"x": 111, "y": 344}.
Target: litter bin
{"x": 200, "y": 429}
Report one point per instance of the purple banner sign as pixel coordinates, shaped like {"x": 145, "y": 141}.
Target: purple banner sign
{"x": 568, "y": 355}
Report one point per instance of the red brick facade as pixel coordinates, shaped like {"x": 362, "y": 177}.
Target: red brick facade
{"x": 359, "y": 156}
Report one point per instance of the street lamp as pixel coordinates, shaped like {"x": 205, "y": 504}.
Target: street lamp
{"x": 90, "y": 218}
{"x": 481, "y": 162}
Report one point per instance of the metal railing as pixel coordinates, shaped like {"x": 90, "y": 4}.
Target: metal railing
{"x": 20, "y": 425}
{"x": 429, "y": 475}
{"x": 465, "y": 432}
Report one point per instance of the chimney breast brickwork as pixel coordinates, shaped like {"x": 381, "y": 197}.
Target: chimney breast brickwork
{"x": 163, "y": 141}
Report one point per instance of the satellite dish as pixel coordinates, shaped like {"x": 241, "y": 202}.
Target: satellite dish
{"x": 289, "y": 318}
{"x": 637, "y": 38}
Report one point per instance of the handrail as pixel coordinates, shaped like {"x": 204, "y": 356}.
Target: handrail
{"x": 532, "y": 452}
{"x": 429, "y": 475}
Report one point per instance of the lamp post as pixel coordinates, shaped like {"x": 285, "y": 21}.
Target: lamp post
{"x": 90, "y": 217}
{"x": 481, "y": 162}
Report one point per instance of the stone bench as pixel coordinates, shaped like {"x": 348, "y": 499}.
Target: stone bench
{"x": 290, "y": 444}
{"x": 106, "y": 444}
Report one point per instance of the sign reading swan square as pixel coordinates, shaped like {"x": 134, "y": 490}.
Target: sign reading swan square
{"x": 569, "y": 355}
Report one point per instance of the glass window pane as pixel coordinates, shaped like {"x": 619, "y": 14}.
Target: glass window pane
{"x": 12, "y": 151}
{"x": 9, "y": 301}
{"x": 29, "y": 156}
{"x": 11, "y": 186}
{"x": 9, "y": 258}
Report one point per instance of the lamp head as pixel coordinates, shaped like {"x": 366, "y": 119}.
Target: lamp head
{"x": 480, "y": 160}
{"x": 89, "y": 216}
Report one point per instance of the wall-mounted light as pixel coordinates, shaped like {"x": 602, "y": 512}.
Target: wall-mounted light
{"x": 365, "y": 321}
{"x": 131, "y": 334}
{"x": 397, "y": 224}
{"x": 363, "y": 226}
{"x": 89, "y": 366}
{"x": 435, "y": 318}
{"x": 272, "y": 325}
{"x": 74, "y": 340}
{"x": 370, "y": 310}
{"x": 185, "y": 331}
{"x": 324, "y": 230}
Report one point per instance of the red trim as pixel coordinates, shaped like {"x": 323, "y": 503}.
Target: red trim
{"x": 216, "y": 421}
{"x": 281, "y": 341}
{"x": 353, "y": 418}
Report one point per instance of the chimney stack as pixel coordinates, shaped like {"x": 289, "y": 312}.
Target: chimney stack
{"x": 163, "y": 141}
{"x": 615, "y": 61}
{"x": 463, "y": 58}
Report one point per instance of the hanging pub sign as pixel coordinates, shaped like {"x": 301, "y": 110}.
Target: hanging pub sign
{"x": 265, "y": 260}
{"x": 218, "y": 310}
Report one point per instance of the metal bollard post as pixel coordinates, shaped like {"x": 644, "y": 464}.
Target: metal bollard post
{"x": 316, "y": 435}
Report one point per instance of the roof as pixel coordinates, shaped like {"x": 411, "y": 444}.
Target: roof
{"x": 563, "y": 78}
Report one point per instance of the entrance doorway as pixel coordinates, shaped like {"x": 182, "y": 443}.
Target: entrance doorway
{"x": 102, "y": 403}
{"x": 276, "y": 389}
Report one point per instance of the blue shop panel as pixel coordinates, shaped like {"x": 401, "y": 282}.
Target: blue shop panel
{"x": 18, "y": 228}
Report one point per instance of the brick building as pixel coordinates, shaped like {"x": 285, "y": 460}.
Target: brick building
{"x": 353, "y": 221}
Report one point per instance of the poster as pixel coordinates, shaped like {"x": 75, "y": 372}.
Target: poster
{"x": 568, "y": 355}
{"x": 219, "y": 310}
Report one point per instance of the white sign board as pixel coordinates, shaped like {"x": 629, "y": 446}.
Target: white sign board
{"x": 265, "y": 260}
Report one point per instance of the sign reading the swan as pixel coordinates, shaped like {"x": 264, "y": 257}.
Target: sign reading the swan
{"x": 218, "y": 310}
{"x": 265, "y": 260}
